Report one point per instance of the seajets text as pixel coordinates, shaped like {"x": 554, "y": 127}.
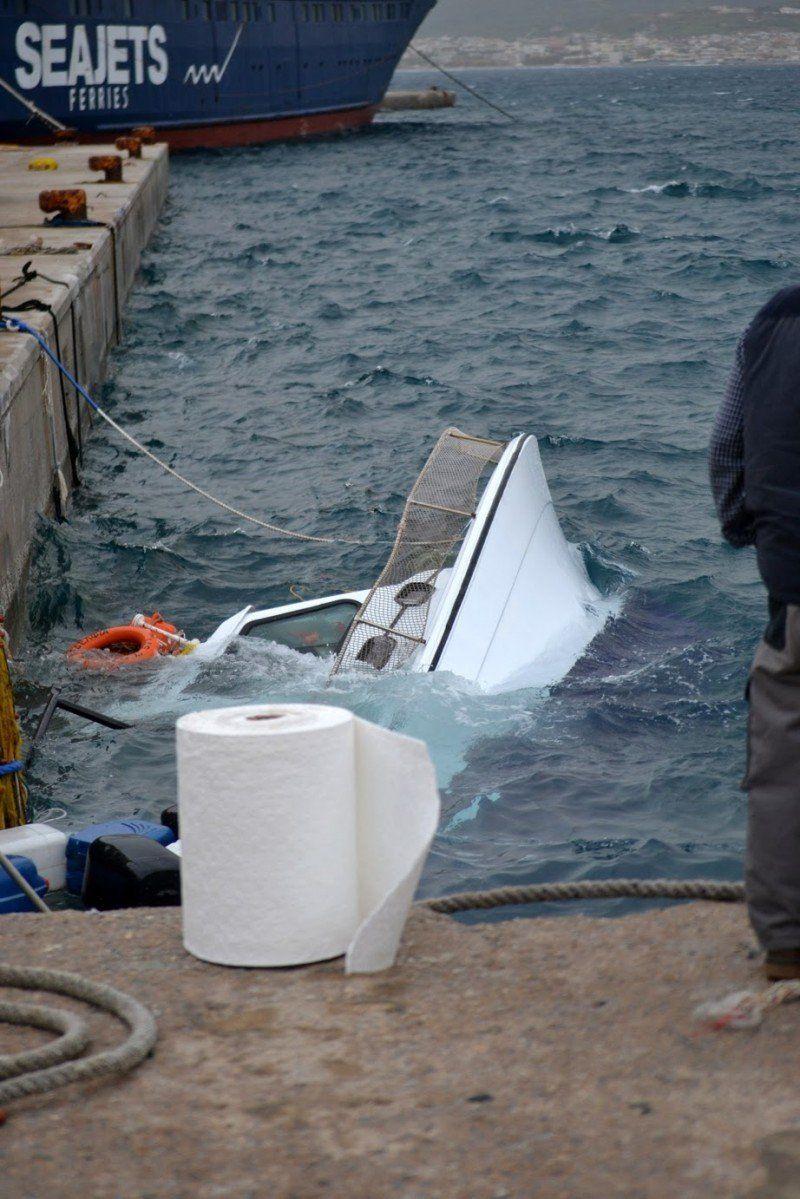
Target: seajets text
{"x": 98, "y": 65}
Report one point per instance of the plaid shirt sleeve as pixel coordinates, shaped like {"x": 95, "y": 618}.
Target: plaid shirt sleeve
{"x": 726, "y": 460}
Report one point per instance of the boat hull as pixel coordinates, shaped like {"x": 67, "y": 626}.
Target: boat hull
{"x": 518, "y": 608}
{"x": 222, "y": 73}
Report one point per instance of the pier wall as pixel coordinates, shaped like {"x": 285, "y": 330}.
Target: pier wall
{"x": 91, "y": 269}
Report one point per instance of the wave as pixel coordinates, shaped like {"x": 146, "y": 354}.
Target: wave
{"x": 568, "y": 235}
{"x": 744, "y": 189}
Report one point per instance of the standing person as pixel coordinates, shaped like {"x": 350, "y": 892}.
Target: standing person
{"x": 754, "y": 463}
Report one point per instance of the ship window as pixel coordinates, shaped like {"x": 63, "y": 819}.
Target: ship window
{"x": 355, "y": 12}
{"x": 319, "y": 12}
{"x": 271, "y": 14}
{"x": 79, "y": 8}
{"x": 305, "y": 12}
{"x": 222, "y": 10}
{"x": 320, "y": 631}
{"x": 185, "y": 11}
{"x": 234, "y": 10}
{"x": 338, "y": 12}
{"x": 207, "y": 7}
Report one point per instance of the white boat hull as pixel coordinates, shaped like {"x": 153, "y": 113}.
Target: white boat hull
{"x": 519, "y": 602}
{"x": 516, "y": 609}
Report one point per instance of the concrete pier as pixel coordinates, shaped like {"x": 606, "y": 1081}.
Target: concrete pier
{"x": 555, "y": 1058}
{"x": 91, "y": 269}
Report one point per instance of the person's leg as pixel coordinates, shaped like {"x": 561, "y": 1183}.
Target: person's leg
{"x": 773, "y": 781}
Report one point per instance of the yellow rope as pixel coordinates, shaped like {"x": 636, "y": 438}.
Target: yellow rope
{"x": 13, "y": 796}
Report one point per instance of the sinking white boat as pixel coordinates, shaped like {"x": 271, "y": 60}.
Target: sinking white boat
{"x": 481, "y": 582}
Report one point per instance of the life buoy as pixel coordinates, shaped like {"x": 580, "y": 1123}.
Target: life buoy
{"x": 127, "y": 644}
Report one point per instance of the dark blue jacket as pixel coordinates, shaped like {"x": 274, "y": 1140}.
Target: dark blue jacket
{"x": 772, "y": 441}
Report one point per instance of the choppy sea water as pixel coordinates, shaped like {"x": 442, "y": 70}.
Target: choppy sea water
{"x": 310, "y": 317}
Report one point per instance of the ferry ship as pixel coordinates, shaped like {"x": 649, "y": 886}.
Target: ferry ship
{"x": 203, "y": 73}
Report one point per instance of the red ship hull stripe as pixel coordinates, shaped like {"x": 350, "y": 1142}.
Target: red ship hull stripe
{"x": 239, "y": 133}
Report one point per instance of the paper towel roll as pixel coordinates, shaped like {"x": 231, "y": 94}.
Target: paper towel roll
{"x": 303, "y": 834}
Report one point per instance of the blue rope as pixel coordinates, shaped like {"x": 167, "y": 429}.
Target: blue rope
{"x": 10, "y": 768}
{"x": 14, "y": 325}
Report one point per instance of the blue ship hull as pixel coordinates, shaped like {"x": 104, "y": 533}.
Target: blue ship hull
{"x": 224, "y": 72}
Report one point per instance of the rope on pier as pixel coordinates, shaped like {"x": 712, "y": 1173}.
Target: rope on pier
{"x": 34, "y": 1072}
{"x": 607, "y": 888}
{"x": 467, "y": 88}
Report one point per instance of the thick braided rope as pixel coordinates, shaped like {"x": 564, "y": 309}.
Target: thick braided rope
{"x": 73, "y": 1041}
{"x": 611, "y": 888}
{"x": 51, "y": 1071}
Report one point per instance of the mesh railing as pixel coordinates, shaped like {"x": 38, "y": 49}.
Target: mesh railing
{"x": 390, "y": 625}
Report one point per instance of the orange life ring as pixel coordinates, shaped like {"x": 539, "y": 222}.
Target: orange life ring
{"x": 125, "y": 645}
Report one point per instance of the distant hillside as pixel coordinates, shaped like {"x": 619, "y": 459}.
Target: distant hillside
{"x": 535, "y": 18}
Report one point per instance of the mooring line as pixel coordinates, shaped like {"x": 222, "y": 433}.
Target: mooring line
{"x": 595, "y": 888}
{"x": 472, "y": 90}
{"x": 13, "y": 325}
{"x": 32, "y": 108}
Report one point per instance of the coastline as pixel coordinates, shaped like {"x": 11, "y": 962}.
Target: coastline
{"x": 656, "y": 64}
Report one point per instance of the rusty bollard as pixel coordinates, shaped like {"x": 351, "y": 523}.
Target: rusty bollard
{"x": 109, "y": 164}
{"x": 69, "y": 203}
{"x": 145, "y": 133}
{"x": 132, "y": 144}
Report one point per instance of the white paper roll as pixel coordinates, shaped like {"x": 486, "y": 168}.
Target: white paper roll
{"x": 303, "y": 835}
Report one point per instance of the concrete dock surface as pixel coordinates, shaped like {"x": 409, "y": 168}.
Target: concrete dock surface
{"x": 89, "y": 271}
{"x": 532, "y": 1057}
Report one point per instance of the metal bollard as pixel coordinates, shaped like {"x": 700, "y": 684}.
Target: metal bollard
{"x": 109, "y": 164}
{"x": 145, "y": 133}
{"x": 132, "y": 144}
{"x": 69, "y": 203}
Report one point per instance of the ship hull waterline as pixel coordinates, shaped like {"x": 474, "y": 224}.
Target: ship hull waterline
{"x": 230, "y": 134}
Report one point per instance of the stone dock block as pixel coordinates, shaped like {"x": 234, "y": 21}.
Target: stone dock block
{"x": 94, "y": 267}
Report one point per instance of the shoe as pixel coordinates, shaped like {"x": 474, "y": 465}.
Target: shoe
{"x": 781, "y": 964}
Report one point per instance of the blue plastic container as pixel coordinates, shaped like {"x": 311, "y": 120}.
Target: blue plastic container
{"x": 11, "y": 898}
{"x": 79, "y": 842}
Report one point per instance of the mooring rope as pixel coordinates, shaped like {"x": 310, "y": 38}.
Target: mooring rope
{"x": 467, "y": 88}
{"x": 33, "y": 108}
{"x": 14, "y": 325}
{"x": 35, "y": 1072}
{"x": 608, "y": 888}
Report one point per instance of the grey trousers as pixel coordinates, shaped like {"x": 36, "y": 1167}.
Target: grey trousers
{"x": 772, "y": 871}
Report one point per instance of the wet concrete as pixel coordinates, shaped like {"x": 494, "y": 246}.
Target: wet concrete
{"x": 549, "y": 1058}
